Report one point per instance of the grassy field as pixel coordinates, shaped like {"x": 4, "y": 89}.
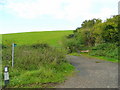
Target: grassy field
{"x": 51, "y": 37}
{"x": 38, "y": 60}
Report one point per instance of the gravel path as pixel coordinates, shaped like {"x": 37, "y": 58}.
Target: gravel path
{"x": 91, "y": 73}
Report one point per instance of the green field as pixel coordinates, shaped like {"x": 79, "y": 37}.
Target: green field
{"x": 51, "y": 37}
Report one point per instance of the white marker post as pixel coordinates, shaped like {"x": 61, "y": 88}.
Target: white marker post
{"x": 6, "y": 76}
{"x": 12, "y": 54}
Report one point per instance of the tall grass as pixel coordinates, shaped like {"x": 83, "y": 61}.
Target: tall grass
{"x": 37, "y": 63}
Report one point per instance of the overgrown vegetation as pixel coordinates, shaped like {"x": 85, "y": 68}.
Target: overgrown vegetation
{"x": 101, "y": 38}
{"x": 36, "y": 64}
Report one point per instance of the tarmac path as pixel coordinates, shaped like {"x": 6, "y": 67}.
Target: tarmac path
{"x": 91, "y": 73}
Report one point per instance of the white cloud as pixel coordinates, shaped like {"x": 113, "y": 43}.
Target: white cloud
{"x": 72, "y": 10}
{"x": 34, "y": 8}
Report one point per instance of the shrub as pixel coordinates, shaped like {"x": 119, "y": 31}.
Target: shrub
{"x": 105, "y": 49}
{"x": 70, "y": 44}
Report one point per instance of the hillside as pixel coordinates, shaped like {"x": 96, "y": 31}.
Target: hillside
{"x": 51, "y": 37}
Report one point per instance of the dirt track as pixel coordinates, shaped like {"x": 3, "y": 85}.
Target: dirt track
{"x": 93, "y": 74}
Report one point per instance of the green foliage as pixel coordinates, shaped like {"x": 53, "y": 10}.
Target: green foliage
{"x": 45, "y": 74}
{"x": 94, "y": 31}
{"x": 42, "y": 65}
{"x": 87, "y": 31}
{"x": 101, "y": 36}
{"x": 106, "y": 49}
{"x": 101, "y": 57}
{"x": 71, "y": 44}
{"x": 28, "y": 55}
{"x": 90, "y": 23}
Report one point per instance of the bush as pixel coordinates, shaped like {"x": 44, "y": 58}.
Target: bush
{"x": 105, "y": 49}
{"x": 70, "y": 44}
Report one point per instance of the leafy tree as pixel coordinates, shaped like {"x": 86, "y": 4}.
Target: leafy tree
{"x": 87, "y": 30}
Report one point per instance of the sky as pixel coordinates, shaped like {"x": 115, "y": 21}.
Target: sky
{"x": 47, "y": 15}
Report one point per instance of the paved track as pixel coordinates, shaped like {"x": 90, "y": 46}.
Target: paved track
{"x": 93, "y": 74}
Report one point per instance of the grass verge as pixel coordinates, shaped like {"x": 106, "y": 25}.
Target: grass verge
{"x": 102, "y": 58}
{"x": 43, "y": 77}
{"x": 97, "y": 57}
